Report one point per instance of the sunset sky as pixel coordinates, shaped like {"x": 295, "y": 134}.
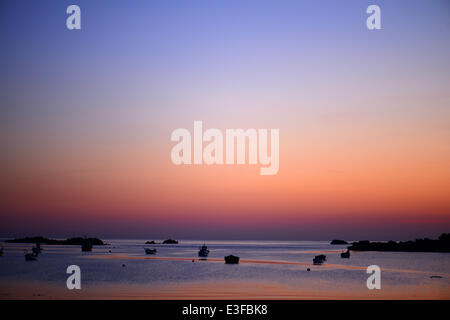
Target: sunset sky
{"x": 86, "y": 118}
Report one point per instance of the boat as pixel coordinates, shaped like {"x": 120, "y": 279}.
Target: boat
{"x": 86, "y": 246}
{"x": 319, "y": 259}
{"x": 37, "y": 249}
{"x": 30, "y": 257}
{"x": 150, "y": 251}
{"x": 345, "y": 254}
{"x": 231, "y": 259}
{"x": 203, "y": 252}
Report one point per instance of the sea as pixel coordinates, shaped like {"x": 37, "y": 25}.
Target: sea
{"x": 266, "y": 270}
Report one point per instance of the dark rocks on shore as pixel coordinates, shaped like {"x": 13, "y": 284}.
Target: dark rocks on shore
{"x": 339, "y": 242}
{"x": 170, "y": 241}
{"x": 419, "y": 245}
{"x": 150, "y": 242}
{"x": 71, "y": 241}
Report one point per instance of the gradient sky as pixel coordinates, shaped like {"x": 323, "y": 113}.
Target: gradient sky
{"x": 86, "y": 118}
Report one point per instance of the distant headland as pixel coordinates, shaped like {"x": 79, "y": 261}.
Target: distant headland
{"x": 168, "y": 241}
{"x": 71, "y": 241}
{"x": 442, "y": 244}
{"x": 339, "y": 242}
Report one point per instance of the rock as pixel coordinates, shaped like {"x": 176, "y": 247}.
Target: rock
{"x": 71, "y": 241}
{"x": 170, "y": 241}
{"x": 339, "y": 242}
{"x": 419, "y": 245}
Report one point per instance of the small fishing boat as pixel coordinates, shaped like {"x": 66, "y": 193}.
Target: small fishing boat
{"x": 319, "y": 259}
{"x": 345, "y": 254}
{"x": 203, "y": 252}
{"x": 37, "y": 249}
{"x": 150, "y": 251}
{"x": 231, "y": 259}
{"x": 30, "y": 257}
{"x": 86, "y": 246}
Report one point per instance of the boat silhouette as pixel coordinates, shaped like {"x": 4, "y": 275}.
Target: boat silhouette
{"x": 203, "y": 252}
{"x": 345, "y": 254}
{"x": 37, "y": 249}
{"x": 231, "y": 259}
{"x": 30, "y": 256}
{"x": 318, "y": 260}
{"x": 150, "y": 251}
{"x": 86, "y": 246}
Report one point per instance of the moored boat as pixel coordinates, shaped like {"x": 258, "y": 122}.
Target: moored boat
{"x": 203, "y": 252}
{"x": 345, "y": 254}
{"x": 37, "y": 249}
{"x": 231, "y": 259}
{"x": 86, "y": 246}
{"x": 30, "y": 257}
{"x": 319, "y": 259}
{"x": 150, "y": 251}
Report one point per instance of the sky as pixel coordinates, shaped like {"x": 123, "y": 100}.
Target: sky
{"x": 87, "y": 115}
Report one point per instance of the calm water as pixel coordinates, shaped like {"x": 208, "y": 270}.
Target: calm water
{"x": 268, "y": 269}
